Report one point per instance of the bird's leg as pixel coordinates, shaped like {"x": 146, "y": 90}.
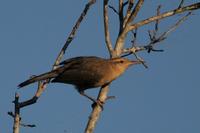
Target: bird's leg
{"x": 92, "y": 99}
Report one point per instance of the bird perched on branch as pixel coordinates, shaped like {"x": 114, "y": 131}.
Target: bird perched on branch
{"x": 85, "y": 72}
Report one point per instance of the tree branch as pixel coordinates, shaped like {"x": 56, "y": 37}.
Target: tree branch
{"x": 128, "y": 12}
{"x": 164, "y": 15}
{"x": 113, "y": 8}
{"x": 134, "y": 12}
{"x": 106, "y": 27}
{"x": 120, "y": 40}
{"x": 181, "y": 3}
{"x": 149, "y": 47}
{"x": 95, "y": 114}
{"x": 73, "y": 32}
{"x": 17, "y": 115}
{"x": 121, "y": 16}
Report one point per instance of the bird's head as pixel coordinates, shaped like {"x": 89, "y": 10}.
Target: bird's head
{"x": 121, "y": 64}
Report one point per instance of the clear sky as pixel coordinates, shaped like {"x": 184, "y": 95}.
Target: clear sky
{"x": 161, "y": 99}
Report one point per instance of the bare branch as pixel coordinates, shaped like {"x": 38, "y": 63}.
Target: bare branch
{"x": 121, "y": 16}
{"x": 114, "y": 10}
{"x": 134, "y": 37}
{"x": 164, "y": 35}
{"x": 73, "y": 32}
{"x": 157, "y": 21}
{"x": 106, "y": 27}
{"x": 152, "y": 33}
{"x": 11, "y": 114}
{"x": 27, "y": 125}
{"x": 181, "y": 3}
{"x": 21, "y": 124}
{"x": 128, "y": 12}
{"x": 164, "y": 15}
{"x": 17, "y": 118}
{"x": 120, "y": 40}
{"x": 141, "y": 60}
{"x": 95, "y": 114}
{"x": 135, "y": 12}
{"x": 40, "y": 89}
{"x": 149, "y": 47}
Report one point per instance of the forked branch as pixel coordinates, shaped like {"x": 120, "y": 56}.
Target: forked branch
{"x": 164, "y": 15}
{"x": 128, "y": 12}
{"x": 120, "y": 40}
{"x": 154, "y": 40}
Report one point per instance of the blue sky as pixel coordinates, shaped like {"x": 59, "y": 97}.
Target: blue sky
{"x": 161, "y": 99}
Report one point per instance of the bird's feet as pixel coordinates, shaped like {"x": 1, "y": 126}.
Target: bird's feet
{"x": 95, "y": 101}
{"x": 98, "y": 102}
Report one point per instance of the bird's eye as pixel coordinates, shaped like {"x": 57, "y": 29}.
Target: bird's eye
{"x": 121, "y": 61}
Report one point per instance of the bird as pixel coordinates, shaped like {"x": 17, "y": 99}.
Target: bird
{"x": 85, "y": 72}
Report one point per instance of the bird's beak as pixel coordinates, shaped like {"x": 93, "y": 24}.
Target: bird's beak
{"x": 136, "y": 62}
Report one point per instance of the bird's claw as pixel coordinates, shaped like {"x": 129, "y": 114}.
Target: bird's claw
{"x": 98, "y": 102}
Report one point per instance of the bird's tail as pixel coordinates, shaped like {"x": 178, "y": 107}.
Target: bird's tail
{"x": 48, "y": 75}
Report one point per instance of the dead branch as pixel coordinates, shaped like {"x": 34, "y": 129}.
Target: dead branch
{"x": 16, "y": 114}
{"x": 135, "y": 11}
{"x": 181, "y": 3}
{"x": 73, "y": 32}
{"x": 95, "y": 114}
{"x": 113, "y": 8}
{"x": 121, "y": 15}
{"x": 106, "y": 27}
{"x": 154, "y": 40}
{"x": 120, "y": 40}
{"x": 128, "y": 12}
{"x": 164, "y": 15}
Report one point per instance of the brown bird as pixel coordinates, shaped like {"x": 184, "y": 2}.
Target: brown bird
{"x": 85, "y": 72}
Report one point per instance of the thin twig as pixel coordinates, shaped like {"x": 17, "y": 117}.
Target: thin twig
{"x": 157, "y": 21}
{"x": 11, "y": 114}
{"x": 141, "y": 60}
{"x": 164, "y": 35}
{"x": 121, "y": 16}
{"x": 73, "y": 32}
{"x": 114, "y": 10}
{"x": 106, "y": 27}
{"x": 164, "y": 15}
{"x": 120, "y": 40}
{"x": 27, "y": 125}
{"x": 181, "y": 3}
{"x": 134, "y": 37}
{"x": 149, "y": 47}
{"x": 125, "y": 3}
{"x": 128, "y": 12}
{"x": 118, "y": 50}
{"x": 135, "y": 12}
